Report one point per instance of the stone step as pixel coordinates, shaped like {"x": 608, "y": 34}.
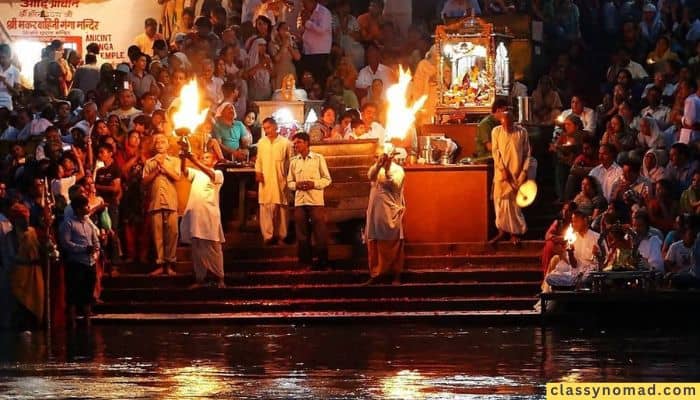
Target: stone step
{"x": 333, "y": 304}
{"x": 497, "y": 316}
{"x": 412, "y": 263}
{"x": 304, "y": 291}
{"x": 531, "y": 273}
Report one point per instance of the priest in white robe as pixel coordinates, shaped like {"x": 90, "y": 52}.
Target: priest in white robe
{"x": 384, "y": 226}
{"x": 511, "y": 158}
{"x": 201, "y": 222}
{"x": 271, "y": 167}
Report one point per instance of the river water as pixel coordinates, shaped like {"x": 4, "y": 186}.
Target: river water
{"x": 335, "y": 361}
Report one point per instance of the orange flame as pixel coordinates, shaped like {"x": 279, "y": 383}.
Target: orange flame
{"x": 400, "y": 115}
{"x": 188, "y": 114}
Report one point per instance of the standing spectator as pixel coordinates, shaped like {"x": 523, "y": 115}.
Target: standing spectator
{"x": 370, "y": 22}
{"x": 201, "y": 222}
{"x": 608, "y": 171}
{"x": 79, "y": 240}
{"x": 87, "y": 76}
{"x": 546, "y": 101}
{"x": 108, "y": 185}
{"x": 271, "y": 168}
{"x": 141, "y": 81}
{"x": 131, "y": 161}
{"x": 314, "y": 24}
{"x": 483, "y": 130}
{"x": 350, "y": 36}
{"x": 384, "y": 234}
{"x": 258, "y": 71}
{"x": 159, "y": 176}
{"x": 284, "y": 54}
{"x": 9, "y": 77}
{"x": 308, "y": 176}
{"x": 145, "y": 40}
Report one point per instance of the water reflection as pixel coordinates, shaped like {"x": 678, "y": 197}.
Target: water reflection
{"x": 334, "y": 361}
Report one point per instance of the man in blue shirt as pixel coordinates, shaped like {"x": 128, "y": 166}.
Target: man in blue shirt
{"x": 231, "y": 134}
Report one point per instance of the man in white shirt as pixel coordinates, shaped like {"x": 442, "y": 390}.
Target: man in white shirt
{"x": 690, "y": 132}
{"x": 373, "y": 70}
{"x": 608, "y": 171}
{"x": 211, "y": 84}
{"x": 585, "y": 250}
{"x": 649, "y": 245}
{"x": 680, "y": 257}
{"x": 655, "y": 109}
{"x": 9, "y": 77}
{"x": 308, "y": 176}
{"x": 315, "y": 26}
{"x": 271, "y": 167}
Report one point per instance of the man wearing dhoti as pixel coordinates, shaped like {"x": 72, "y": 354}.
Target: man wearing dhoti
{"x": 171, "y": 16}
{"x": 271, "y": 167}
{"x": 384, "y": 227}
{"x": 201, "y": 222}
{"x": 510, "y": 148}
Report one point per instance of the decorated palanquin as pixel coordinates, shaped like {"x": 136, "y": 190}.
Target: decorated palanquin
{"x": 473, "y": 68}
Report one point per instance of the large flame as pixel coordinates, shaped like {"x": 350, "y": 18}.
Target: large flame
{"x": 400, "y": 116}
{"x": 188, "y": 114}
{"x": 569, "y": 236}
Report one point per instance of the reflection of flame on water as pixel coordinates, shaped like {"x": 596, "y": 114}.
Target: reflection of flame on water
{"x": 406, "y": 385}
{"x": 198, "y": 381}
{"x": 570, "y": 236}
{"x": 188, "y": 114}
{"x": 400, "y": 115}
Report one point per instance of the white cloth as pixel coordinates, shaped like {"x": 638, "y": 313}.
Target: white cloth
{"x": 312, "y": 168}
{"x": 660, "y": 115}
{"x": 588, "y": 117}
{"x": 680, "y": 256}
{"x": 511, "y": 152}
{"x": 636, "y": 70}
{"x": 366, "y": 76}
{"x": 36, "y": 127}
{"x": 207, "y": 256}
{"x": 202, "y": 217}
{"x": 691, "y": 115}
{"x": 273, "y": 162}
{"x": 650, "y": 249}
{"x": 213, "y": 90}
{"x": 273, "y": 221}
{"x": 606, "y": 177}
{"x": 59, "y": 187}
{"x": 11, "y": 75}
{"x": 386, "y": 204}
{"x": 318, "y": 32}
{"x": 583, "y": 250}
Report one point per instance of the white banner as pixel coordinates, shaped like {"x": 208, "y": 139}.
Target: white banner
{"x": 113, "y": 24}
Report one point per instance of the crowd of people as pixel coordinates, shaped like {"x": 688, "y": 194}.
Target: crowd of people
{"x": 91, "y": 161}
{"x": 625, "y": 157}
{"x": 90, "y": 176}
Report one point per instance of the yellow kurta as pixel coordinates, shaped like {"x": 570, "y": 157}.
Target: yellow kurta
{"x": 511, "y": 152}
{"x": 273, "y": 162}
{"x": 27, "y": 279}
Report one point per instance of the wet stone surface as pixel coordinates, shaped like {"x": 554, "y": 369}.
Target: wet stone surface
{"x": 381, "y": 361}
